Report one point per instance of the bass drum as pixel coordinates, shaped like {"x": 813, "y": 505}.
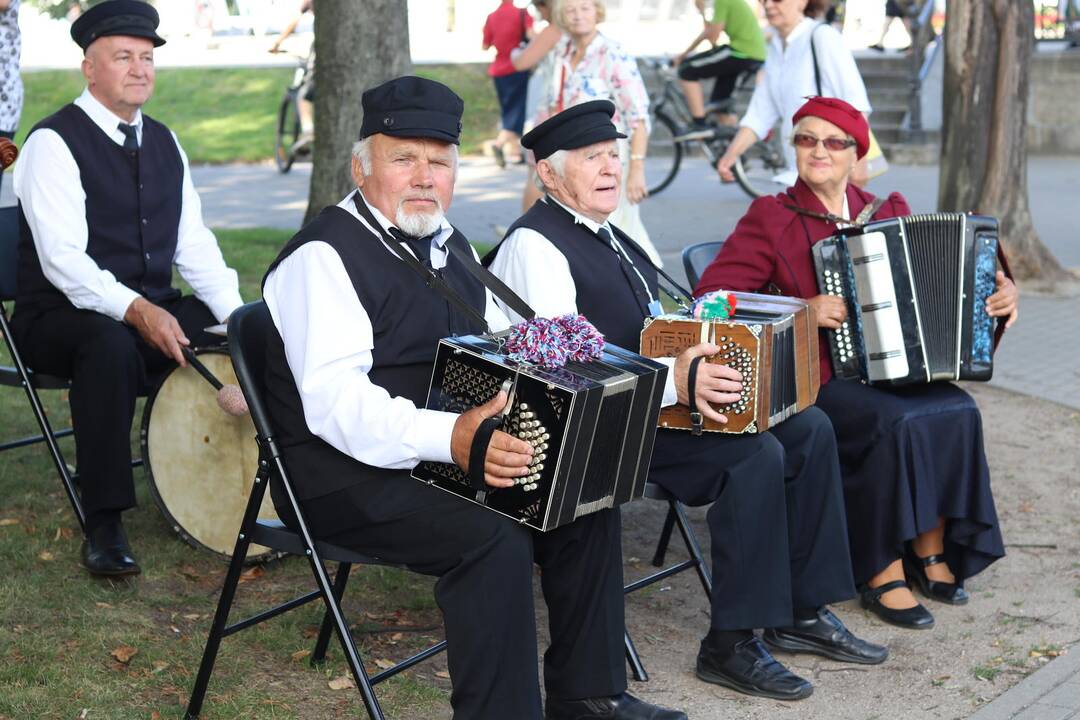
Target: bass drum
{"x": 200, "y": 461}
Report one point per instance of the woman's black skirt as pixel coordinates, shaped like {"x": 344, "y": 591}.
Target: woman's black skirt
{"x": 909, "y": 456}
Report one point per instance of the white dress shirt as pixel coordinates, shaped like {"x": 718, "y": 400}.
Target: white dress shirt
{"x": 789, "y": 80}
{"x": 538, "y": 271}
{"x": 328, "y": 341}
{"x": 50, "y": 191}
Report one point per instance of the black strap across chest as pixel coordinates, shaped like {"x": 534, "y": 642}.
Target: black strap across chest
{"x": 435, "y": 281}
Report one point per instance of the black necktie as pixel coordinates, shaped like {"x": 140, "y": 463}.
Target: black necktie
{"x": 131, "y": 140}
{"x": 637, "y": 283}
{"x": 421, "y": 246}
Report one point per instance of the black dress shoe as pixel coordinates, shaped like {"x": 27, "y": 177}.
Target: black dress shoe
{"x": 915, "y": 618}
{"x": 619, "y": 707}
{"x": 749, "y": 668}
{"x": 105, "y": 551}
{"x": 951, "y": 593}
{"x": 825, "y": 635}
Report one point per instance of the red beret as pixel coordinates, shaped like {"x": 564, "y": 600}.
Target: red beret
{"x": 840, "y": 114}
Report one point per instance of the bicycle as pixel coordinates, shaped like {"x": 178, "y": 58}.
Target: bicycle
{"x": 673, "y": 136}
{"x": 290, "y": 142}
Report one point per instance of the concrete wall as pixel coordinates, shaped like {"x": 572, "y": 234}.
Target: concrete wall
{"x": 1054, "y": 104}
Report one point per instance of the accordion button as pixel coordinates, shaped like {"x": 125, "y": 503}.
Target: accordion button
{"x": 543, "y": 446}
{"x": 545, "y": 437}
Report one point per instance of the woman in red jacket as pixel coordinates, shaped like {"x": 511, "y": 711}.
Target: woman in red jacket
{"x": 916, "y": 482}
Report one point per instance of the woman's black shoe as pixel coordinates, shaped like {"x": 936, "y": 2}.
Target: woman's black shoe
{"x": 916, "y": 618}
{"x": 951, "y": 593}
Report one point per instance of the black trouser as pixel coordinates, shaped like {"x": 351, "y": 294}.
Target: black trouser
{"x": 484, "y": 564}
{"x": 719, "y": 63}
{"x": 109, "y": 365}
{"x": 777, "y": 528}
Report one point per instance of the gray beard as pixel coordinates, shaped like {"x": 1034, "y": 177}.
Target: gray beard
{"x": 418, "y": 224}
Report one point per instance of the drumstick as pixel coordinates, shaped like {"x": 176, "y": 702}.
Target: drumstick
{"x": 230, "y": 398}
{"x": 189, "y": 355}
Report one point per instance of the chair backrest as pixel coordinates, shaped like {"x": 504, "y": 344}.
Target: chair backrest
{"x": 696, "y": 258}
{"x": 9, "y": 251}
{"x": 250, "y": 329}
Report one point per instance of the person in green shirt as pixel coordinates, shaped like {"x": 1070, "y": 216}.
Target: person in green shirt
{"x": 746, "y": 52}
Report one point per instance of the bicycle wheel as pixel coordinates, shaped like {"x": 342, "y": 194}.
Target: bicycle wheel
{"x": 288, "y": 132}
{"x": 665, "y": 152}
{"x": 756, "y": 168}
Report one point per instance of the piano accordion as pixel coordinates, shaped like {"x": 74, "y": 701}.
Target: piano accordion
{"x": 592, "y": 427}
{"x": 915, "y": 289}
{"x": 771, "y": 340}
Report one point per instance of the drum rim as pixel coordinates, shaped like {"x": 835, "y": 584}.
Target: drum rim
{"x": 144, "y": 447}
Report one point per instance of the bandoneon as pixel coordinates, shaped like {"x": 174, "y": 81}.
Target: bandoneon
{"x": 771, "y": 340}
{"x": 915, "y": 289}
{"x": 591, "y": 424}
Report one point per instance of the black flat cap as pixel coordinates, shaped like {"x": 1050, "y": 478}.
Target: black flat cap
{"x": 575, "y": 127}
{"x": 412, "y": 107}
{"x": 133, "y": 18}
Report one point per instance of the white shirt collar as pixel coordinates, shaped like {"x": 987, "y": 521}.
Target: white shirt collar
{"x": 580, "y": 219}
{"x": 445, "y": 228}
{"x": 805, "y": 26}
{"x": 105, "y": 119}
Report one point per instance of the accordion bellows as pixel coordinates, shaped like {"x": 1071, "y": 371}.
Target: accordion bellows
{"x": 771, "y": 340}
{"x": 592, "y": 427}
{"x": 915, "y": 289}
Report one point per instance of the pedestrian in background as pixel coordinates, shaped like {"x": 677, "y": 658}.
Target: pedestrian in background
{"x": 507, "y": 29}
{"x": 11, "y": 87}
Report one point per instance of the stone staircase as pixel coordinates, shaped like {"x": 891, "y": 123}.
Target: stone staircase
{"x": 887, "y": 82}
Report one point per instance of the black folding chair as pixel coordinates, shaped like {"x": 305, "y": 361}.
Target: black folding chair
{"x": 676, "y": 516}
{"x": 696, "y": 258}
{"x": 249, "y": 328}
{"x": 20, "y": 375}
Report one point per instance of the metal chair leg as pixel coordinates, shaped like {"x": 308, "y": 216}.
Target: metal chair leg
{"x": 632, "y": 657}
{"x": 217, "y": 628}
{"x": 693, "y": 547}
{"x": 340, "y": 579}
{"x": 665, "y": 536}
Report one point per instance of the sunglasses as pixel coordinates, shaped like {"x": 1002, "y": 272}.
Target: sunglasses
{"x": 832, "y": 144}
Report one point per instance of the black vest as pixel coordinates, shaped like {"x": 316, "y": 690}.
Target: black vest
{"x": 132, "y": 212}
{"x": 606, "y": 295}
{"x": 407, "y": 318}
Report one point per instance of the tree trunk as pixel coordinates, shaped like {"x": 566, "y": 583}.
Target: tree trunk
{"x": 358, "y": 45}
{"x": 988, "y": 47}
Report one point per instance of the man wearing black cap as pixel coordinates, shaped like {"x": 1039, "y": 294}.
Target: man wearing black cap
{"x": 347, "y": 379}
{"x": 776, "y": 521}
{"x": 107, "y": 207}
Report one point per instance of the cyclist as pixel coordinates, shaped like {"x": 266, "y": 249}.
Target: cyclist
{"x": 745, "y": 53}
{"x": 306, "y": 93}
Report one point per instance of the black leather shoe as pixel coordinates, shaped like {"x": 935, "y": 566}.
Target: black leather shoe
{"x": 825, "y": 635}
{"x": 749, "y": 668}
{"x": 619, "y": 707}
{"x": 951, "y": 593}
{"x": 105, "y": 551}
{"x": 916, "y": 618}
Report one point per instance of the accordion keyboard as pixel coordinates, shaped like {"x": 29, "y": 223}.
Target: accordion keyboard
{"x": 521, "y": 422}
{"x": 466, "y": 386}
{"x": 843, "y": 343}
{"x": 738, "y": 358}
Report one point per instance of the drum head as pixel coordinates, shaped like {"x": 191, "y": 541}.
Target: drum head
{"x": 200, "y": 461}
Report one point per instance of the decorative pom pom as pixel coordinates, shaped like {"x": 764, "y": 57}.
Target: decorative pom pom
{"x": 230, "y": 398}
{"x": 551, "y": 343}
{"x": 716, "y": 305}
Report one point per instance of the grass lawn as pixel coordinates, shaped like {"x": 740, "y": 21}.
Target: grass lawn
{"x": 229, "y": 114}
{"x": 66, "y": 638}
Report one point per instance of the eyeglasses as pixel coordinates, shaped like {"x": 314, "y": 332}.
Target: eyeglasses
{"x": 832, "y": 144}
